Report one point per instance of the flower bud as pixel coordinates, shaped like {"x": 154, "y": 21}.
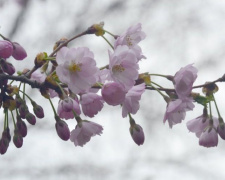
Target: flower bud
{"x": 23, "y": 109}
{"x": 7, "y": 67}
{"x": 137, "y": 134}
{"x": 62, "y": 130}
{"x": 21, "y": 126}
{"x": 38, "y": 110}
{"x": 6, "y": 49}
{"x": 17, "y": 139}
{"x": 19, "y": 101}
{"x": 3, "y": 146}
{"x": 96, "y": 29}
{"x": 19, "y": 52}
{"x": 39, "y": 60}
{"x": 30, "y": 118}
{"x": 221, "y": 130}
{"x": 6, "y": 134}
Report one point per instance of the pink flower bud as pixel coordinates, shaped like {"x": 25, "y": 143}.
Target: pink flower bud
{"x": 6, "y": 49}
{"x": 17, "y": 139}
{"x": 23, "y": 109}
{"x": 137, "y": 134}
{"x": 30, "y": 118}
{"x": 221, "y": 130}
{"x": 7, "y": 67}
{"x": 62, "y": 130}
{"x": 21, "y": 126}
{"x": 19, "y": 52}
{"x": 113, "y": 93}
{"x": 4, "y": 144}
{"x": 38, "y": 110}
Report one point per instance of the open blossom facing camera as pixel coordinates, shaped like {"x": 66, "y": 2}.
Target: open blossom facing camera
{"x": 131, "y": 38}
{"x": 123, "y": 66}
{"x": 184, "y": 79}
{"x": 77, "y": 68}
{"x": 83, "y": 132}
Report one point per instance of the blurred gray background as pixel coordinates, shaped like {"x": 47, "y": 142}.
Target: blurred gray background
{"x": 179, "y": 32}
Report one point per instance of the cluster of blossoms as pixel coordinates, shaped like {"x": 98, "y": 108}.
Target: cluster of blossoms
{"x": 71, "y": 75}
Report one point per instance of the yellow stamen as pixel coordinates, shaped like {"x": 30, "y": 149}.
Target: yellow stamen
{"x": 74, "y": 67}
{"x": 129, "y": 40}
{"x": 118, "y": 68}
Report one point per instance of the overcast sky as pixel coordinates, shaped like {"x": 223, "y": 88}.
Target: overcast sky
{"x": 179, "y": 32}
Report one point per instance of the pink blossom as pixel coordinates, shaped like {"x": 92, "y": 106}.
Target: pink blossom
{"x": 91, "y": 104}
{"x": 137, "y": 134}
{"x": 123, "y": 66}
{"x": 66, "y": 107}
{"x": 184, "y": 79}
{"x": 77, "y": 68}
{"x": 19, "y": 52}
{"x": 131, "y": 38}
{"x": 113, "y": 93}
{"x": 6, "y": 49}
{"x": 176, "y": 111}
{"x": 205, "y": 130}
{"x": 38, "y": 76}
{"x": 209, "y": 137}
{"x": 83, "y": 132}
{"x": 131, "y": 102}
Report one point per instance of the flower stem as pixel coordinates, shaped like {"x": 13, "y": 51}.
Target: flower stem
{"x": 108, "y": 42}
{"x": 110, "y": 33}
{"x": 217, "y": 109}
{"x": 53, "y": 107}
{"x": 13, "y": 119}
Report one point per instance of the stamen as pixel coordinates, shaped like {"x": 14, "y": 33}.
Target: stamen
{"x": 118, "y": 68}
{"x": 75, "y": 67}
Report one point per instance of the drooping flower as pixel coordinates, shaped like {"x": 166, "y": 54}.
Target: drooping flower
{"x": 184, "y": 79}
{"x": 123, "y": 66}
{"x": 209, "y": 137}
{"x": 176, "y": 111}
{"x": 91, "y": 104}
{"x": 77, "y": 68}
{"x": 131, "y": 102}
{"x": 131, "y": 38}
{"x": 66, "y": 107}
{"x": 83, "y": 132}
{"x": 113, "y": 93}
{"x": 198, "y": 125}
{"x": 6, "y": 49}
{"x": 205, "y": 129}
